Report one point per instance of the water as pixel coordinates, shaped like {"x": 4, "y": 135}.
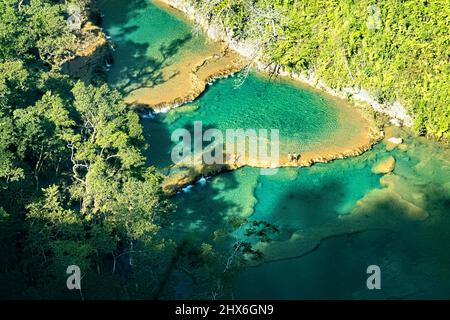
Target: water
{"x": 335, "y": 219}
{"x": 314, "y": 120}
{"x": 148, "y": 40}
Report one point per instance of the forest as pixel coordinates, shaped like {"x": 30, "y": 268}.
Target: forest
{"x": 398, "y": 50}
{"x": 74, "y": 185}
{"x": 73, "y": 180}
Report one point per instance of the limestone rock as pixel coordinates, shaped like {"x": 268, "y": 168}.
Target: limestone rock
{"x": 384, "y": 166}
{"x": 395, "y": 140}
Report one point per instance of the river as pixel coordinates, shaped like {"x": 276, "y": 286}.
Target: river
{"x": 334, "y": 219}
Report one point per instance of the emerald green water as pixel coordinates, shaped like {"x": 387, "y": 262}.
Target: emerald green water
{"x": 334, "y": 219}
{"x": 413, "y": 255}
{"x": 305, "y": 119}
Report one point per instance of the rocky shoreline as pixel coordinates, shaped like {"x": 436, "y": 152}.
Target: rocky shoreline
{"x": 192, "y": 76}
{"x": 93, "y": 54}
{"x": 182, "y": 178}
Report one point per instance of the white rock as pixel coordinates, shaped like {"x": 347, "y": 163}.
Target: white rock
{"x": 396, "y": 122}
{"x": 395, "y": 140}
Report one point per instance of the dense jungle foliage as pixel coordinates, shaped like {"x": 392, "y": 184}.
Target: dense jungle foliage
{"x": 395, "y": 49}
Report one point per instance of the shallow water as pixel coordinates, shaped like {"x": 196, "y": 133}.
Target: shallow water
{"x": 148, "y": 40}
{"x": 253, "y": 106}
{"x": 306, "y": 120}
{"x": 335, "y": 219}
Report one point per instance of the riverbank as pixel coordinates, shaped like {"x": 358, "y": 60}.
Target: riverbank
{"x": 92, "y": 53}
{"x": 188, "y": 79}
{"x": 182, "y": 177}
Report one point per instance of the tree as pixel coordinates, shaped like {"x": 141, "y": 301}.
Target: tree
{"x": 56, "y": 239}
{"x": 43, "y": 128}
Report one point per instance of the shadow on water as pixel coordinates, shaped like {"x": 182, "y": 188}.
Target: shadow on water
{"x": 172, "y": 48}
{"x": 309, "y": 205}
{"x": 200, "y": 218}
{"x": 134, "y": 67}
{"x": 158, "y": 134}
{"x": 158, "y": 137}
{"x": 127, "y": 9}
{"x": 412, "y": 255}
{"x": 146, "y": 71}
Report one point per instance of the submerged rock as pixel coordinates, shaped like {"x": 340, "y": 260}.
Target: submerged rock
{"x": 394, "y": 138}
{"x": 398, "y": 196}
{"x": 384, "y": 166}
